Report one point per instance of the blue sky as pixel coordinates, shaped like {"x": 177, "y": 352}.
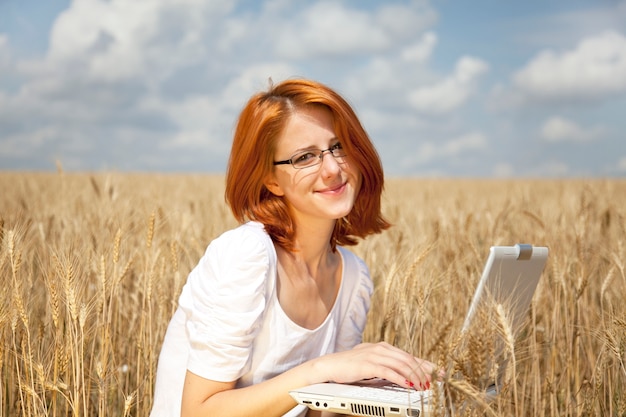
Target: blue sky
{"x": 445, "y": 88}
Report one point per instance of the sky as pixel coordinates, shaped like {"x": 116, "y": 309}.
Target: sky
{"x": 482, "y": 88}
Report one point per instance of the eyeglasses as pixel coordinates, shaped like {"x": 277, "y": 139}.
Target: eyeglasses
{"x": 311, "y": 158}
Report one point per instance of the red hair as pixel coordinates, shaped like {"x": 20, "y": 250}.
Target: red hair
{"x": 251, "y": 160}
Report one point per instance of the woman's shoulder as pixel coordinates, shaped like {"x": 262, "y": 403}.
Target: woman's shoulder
{"x": 353, "y": 262}
{"x": 249, "y": 237}
{"x": 240, "y": 257}
{"x": 243, "y": 248}
{"x": 249, "y": 229}
{"x": 356, "y": 273}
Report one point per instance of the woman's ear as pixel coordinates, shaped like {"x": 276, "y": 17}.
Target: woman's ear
{"x": 272, "y": 185}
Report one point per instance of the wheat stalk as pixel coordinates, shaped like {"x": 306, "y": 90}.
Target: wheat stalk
{"x": 83, "y": 261}
{"x": 507, "y": 333}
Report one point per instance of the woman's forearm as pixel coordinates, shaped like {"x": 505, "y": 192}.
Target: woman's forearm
{"x": 267, "y": 398}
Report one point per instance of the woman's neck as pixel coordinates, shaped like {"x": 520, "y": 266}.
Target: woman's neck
{"x": 312, "y": 245}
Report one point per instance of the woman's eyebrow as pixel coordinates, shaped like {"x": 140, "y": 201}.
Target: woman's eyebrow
{"x": 331, "y": 141}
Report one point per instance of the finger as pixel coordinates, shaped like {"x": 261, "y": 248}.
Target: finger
{"x": 394, "y": 364}
{"x": 401, "y": 367}
{"x": 426, "y": 373}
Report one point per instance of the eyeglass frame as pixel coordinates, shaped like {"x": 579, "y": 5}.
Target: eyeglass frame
{"x": 320, "y": 156}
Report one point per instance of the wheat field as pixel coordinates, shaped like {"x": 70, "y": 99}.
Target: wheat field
{"x": 92, "y": 265}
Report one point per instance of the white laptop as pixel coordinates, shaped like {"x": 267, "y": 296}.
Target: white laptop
{"x": 509, "y": 278}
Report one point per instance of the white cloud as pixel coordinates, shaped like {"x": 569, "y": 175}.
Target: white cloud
{"x": 558, "y": 129}
{"x": 341, "y": 31}
{"x": 125, "y": 39}
{"x": 503, "y": 170}
{"x": 179, "y": 71}
{"x": 551, "y": 169}
{"x": 473, "y": 141}
{"x": 470, "y": 141}
{"x": 388, "y": 76}
{"x": 403, "y": 21}
{"x": 167, "y": 78}
{"x": 621, "y": 165}
{"x": 452, "y": 92}
{"x": 345, "y": 32}
{"x": 5, "y": 52}
{"x": 202, "y": 120}
{"x": 596, "y": 68}
{"x": 13, "y": 145}
{"x": 420, "y": 51}
{"x": 254, "y": 78}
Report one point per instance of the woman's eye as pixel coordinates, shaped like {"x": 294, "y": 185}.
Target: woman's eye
{"x": 304, "y": 157}
{"x": 337, "y": 146}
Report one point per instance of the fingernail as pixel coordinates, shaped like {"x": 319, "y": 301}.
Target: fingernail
{"x": 427, "y": 384}
{"x": 409, "y": 383}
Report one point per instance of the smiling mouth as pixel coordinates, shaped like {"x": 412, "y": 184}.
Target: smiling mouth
{"x": 333, "y": 190}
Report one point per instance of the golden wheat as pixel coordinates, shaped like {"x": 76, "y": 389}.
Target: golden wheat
{"x": 92, "y": 266}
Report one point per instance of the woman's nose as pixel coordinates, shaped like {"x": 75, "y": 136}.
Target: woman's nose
{"x": 330, "y": 165}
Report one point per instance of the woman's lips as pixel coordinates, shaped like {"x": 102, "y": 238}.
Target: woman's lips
{"x": 333, "y": 190}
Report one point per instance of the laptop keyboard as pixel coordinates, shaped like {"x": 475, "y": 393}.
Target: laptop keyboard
{"x": 393, "y": 394}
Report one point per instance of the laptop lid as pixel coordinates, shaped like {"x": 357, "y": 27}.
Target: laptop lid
{"x": 499, "y": 308}
{"x": 509, "y": 278}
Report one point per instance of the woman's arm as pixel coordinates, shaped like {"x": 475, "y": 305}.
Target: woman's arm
{"x": 203, "y": 397}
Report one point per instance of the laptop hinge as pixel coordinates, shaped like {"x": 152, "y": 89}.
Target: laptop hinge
{"x": 525, "y": 251}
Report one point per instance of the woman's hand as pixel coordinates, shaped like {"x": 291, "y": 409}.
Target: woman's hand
{"x": 378, "y": 360}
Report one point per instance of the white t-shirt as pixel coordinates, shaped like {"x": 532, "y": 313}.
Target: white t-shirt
{"x": 230, "y": 326}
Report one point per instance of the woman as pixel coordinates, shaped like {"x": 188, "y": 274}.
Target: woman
{"x": 279, "y": 303}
